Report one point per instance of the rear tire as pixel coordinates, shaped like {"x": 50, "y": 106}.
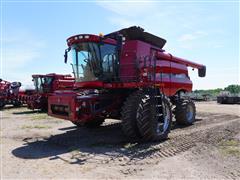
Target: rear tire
{"x": 219, "y": 100}
{"x": 17, "y": 103}
{"x": 154, "y": 119}
{"x": 77, "y": 124}
{"x": 2, "y": 104}
{"x": 94, "y": 123}
{"x": 129, "y": 113}
{"x": 185, "y": 112}
{"x": 44, "y": 109}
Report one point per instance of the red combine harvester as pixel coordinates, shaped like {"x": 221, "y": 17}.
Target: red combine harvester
{"x": 45, "y": 85}
{"x": 9, "y": 93}
{"x": 126, "y": 74}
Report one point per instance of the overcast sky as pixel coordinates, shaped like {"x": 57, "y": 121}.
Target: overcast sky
{"x": 34, "y": 34}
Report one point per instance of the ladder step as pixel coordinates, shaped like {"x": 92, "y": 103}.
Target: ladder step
{"x": 159, "y": 115}
{"x": 158, "y": 105}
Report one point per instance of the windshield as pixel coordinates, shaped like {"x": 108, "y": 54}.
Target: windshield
{"x": 92, "y": 61}
{"x": 43, "y": 84}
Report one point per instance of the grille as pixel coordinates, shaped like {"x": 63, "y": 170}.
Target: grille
{"x": 62, "y": 110}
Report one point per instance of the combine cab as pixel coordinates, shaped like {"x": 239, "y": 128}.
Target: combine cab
{"x": 126, "y": 74}
{"x": 45, "y": 85}
{"x": 9, "y": 93}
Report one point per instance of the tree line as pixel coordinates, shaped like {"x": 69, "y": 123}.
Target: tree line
{"x": 233, "y": 89}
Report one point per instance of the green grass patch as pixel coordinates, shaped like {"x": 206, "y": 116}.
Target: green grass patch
{"x": 123, "y": 145}
{"x": 39, "y": 117}
{"x": 230, "y": 143}
{"x": 73, "y": 149}
{"x": 230, "y": 147}
{"x": 129, "y": 145}
{"x": 36, "y": 127}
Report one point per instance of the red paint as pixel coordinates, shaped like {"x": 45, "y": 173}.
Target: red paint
{"x": 39, "y": 99}
{"x": 9, "y": 93}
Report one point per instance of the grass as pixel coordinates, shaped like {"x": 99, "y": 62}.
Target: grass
{"x": 230, "y": 147}
{"x": 39, "y": 117}
{"x": 73, "y": 149}
{"x": 35, "y": 127}
{"x": 129, "y": 145}
{"x": 123, "y": 145}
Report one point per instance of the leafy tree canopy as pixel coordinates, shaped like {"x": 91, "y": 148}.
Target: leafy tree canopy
{"x": 233, "y": 89}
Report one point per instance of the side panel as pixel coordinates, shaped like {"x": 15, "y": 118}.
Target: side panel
{"x": 132, "y": 51}
{"x": 62, "y": 106}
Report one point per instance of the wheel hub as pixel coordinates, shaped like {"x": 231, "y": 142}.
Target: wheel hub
{"x": 163, "y": 121}
{"x": 189, "y": 113}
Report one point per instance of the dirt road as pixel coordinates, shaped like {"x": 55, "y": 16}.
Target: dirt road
{"x": 34, "y": 145}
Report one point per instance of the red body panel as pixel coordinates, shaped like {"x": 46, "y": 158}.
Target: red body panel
{"x": 134, "y": 52}
{"x": 39, "y": 100}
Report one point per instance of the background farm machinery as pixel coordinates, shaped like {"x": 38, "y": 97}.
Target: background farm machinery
{"x": 37, "y": 98}
{"x": 225, "y": 97}
{"x": 45, "y": 85}
{"x": 9, "y": 92}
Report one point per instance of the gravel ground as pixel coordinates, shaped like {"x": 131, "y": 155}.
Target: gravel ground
{"x": 34, "y": 145}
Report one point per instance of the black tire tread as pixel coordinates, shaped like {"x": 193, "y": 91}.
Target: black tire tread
{"x": 180, "y": 111}
{"x": 94, "y": 123}
{"x": 145, "y": 120}
{"x": 128, "y": 115}
{"x": 90, "y": 124}
{"x": 77, "y": 124}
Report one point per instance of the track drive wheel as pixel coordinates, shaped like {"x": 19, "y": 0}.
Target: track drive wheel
{"x": 129, "y": 113}
{"x": 154, "y": 117}
{"x": 185, "y": 112}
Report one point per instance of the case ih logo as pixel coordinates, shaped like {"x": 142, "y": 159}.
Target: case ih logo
{"x": 59, "y": 100}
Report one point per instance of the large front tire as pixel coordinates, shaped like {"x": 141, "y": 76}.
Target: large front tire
{"x": 129, "y": 113}
{"x": 90, "y": 124}
{"x": 2, "y": 104}
{"x": 77, "y": 124}
{"x": 94, "y": 123}
{"x": 154, "y": 119}
{"x": 17, "y": 103}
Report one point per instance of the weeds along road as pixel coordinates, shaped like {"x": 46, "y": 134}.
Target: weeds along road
{"x": 34, "y": 145}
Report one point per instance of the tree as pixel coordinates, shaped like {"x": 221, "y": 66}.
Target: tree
{"x": 234, "y": 88}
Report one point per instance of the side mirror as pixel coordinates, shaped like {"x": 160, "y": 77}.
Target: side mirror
{"x": 0, "y": 80}
{"x": 66, "y": 54}
{"x": 202, "y": 71}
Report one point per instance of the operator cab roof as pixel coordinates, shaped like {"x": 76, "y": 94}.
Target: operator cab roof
{"x": 137, "y": 33}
